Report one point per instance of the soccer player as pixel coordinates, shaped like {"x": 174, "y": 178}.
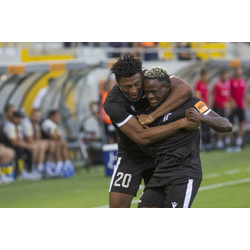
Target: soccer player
{"x": 221, "y": 93}
{"x": 12, "y": 136}
{"x": 32, "y": 135}
{"x": 123, "y": 104}
{"x": 238, "y": 98}
{"x": 51, "y": 130}
{"x": 7, "y": 156}
{"x": 201, "y": 91}
{"x": 178, "y": 172}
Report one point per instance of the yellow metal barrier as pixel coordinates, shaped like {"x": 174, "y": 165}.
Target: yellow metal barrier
{"x": 25, "y": 57}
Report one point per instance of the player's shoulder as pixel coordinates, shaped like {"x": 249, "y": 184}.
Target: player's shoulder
{"x": 26, "y": 121}
{"x": 198, "y": 104}
{"x": 8, "y": 124}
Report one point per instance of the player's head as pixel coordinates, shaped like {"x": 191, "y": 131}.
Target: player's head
{"x": 9, "y": 109}
{"x": 17, "y": 117}
{"x": 54, "y": 115}
{"x": 238, "y": 72}
{"x": 223, "y": 75}
{"x": 35, "y": 115}
{"x": 204, "y": 75}
{"x": 128, "y": 75}
{"x": 156, "y": 85}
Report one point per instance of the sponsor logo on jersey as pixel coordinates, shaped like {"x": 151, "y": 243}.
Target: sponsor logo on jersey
{"x": 174, "y": 204}
{"x": 165, "y": 118}
{"x": 201, "y": 107}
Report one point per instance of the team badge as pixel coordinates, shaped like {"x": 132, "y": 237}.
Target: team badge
{"x": 201, "y": 107}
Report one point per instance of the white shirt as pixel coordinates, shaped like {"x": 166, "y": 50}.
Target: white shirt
{"x": 9, "y": 129}
{"x": 27, "y": 127}
{"x": 48, "y": 126}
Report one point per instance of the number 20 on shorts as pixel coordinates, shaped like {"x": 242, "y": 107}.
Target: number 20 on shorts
{"x": 123, "y": 180}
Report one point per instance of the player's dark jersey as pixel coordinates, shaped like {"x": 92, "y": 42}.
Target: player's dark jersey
{"x": 179, "y": 154}
{"x": 120, "y": 109}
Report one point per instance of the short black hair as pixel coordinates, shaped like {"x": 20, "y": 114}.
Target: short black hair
{"x": 18, "y": 113}
{"x": 223, "y": 71}
{"x": 126, "y": 66}
{"x": 53, "y": 112}
{"x": 203, "y": 72}
{"x": 7, "y": 106}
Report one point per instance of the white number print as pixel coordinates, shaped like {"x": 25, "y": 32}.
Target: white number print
{"x": 126, "y": 178}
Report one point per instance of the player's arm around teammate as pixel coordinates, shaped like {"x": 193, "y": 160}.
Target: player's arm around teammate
{"x": 147, "y": 136}
{"x": 218, "y": 123}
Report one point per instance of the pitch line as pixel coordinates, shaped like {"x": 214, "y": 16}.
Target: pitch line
{"x": 209, "y": 187}
{"x": 228, "y": 172}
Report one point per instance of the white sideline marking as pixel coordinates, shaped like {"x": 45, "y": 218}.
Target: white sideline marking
{"x": 212, "y": 175}
{"x": 217, "y": 185}
{"x": 233, "y": 171}
{"x": 223, "y": 184}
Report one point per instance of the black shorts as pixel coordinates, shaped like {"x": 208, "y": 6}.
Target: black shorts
{"x": 173, "y": 192}
{"x": 129, "y": 173}
{"x": 240, "y": 113}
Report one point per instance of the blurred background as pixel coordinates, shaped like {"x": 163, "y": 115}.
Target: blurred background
{"x": 76, "y": 78}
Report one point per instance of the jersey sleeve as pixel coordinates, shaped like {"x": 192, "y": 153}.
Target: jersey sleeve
{"x": 27, "y": 128}
{"x": 117, "y": 112}
{"x": 201, "y": 107}
{"x": 10, "y": 131}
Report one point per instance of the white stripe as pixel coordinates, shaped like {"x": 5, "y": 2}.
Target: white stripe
{"x": 188, "y": 193}
{"x": 122, "y": 123}
{"x": 113, "y": 175}
{"x": 207, "y": 112}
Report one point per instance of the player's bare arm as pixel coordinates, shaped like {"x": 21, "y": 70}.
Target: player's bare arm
{"x": 218, "y": 123}
{"x": 147, "y": 136}
{"x": 181, "y": 91}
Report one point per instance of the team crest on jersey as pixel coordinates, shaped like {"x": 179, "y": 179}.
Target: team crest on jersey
{"x": 201, "y": 107}
{"x": 165, "y": 118}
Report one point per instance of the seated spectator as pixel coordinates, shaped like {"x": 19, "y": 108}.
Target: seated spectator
{"x": 7, "y": 156}
{"x": 51, "y": 130}
{"x": 12, "y": 137}
{"x": 32, "y": 135}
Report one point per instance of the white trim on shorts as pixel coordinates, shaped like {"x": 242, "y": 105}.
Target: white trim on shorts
{"x": 122, "y": 123}
{"x": 188, "y": 193}
{"x": 114, "y": 173}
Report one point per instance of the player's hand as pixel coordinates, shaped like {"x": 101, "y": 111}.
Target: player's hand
{"x": 193, "y": 115}
{"x": 144, "y": 119}
{"x": 189, "y": 125}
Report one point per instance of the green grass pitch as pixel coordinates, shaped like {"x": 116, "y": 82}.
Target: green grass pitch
{"x": 226, "y": 184}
